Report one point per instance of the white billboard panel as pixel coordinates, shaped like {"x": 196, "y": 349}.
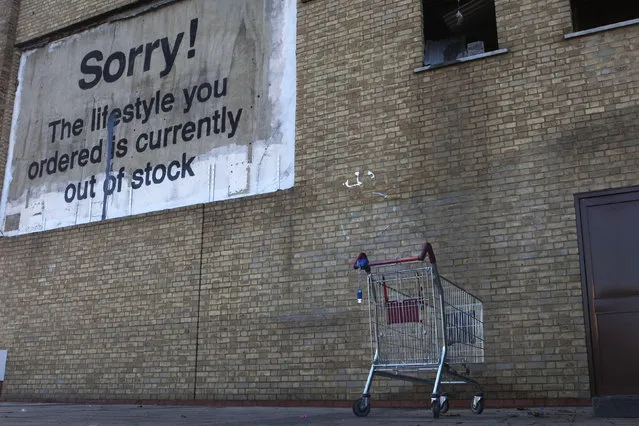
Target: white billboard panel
{"x": 198, "y": 98}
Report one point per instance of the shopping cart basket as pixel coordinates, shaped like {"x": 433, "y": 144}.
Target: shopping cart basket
{"x": 420, "y": 322}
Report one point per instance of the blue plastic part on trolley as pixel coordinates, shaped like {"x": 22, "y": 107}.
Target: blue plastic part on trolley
{"x": 362, "y": 263}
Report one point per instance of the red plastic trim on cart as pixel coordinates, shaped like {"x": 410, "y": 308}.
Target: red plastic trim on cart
{"x": 427, "y": 250}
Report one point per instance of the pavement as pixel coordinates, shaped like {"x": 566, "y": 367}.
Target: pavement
{"x": 115, "y": 414}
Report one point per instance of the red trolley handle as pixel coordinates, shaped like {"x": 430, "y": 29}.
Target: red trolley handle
{"x": 362, "y": 261}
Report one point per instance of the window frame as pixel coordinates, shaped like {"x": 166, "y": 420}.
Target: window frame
{"x": 461, "y": 60}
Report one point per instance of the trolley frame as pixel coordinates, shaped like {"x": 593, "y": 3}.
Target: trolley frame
{"x": 410, "y": 310}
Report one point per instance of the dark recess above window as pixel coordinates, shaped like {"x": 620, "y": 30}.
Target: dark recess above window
{"x": 587, "y": 14}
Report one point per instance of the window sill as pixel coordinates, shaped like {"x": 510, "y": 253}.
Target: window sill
{"x": 462, "y": 60}
{"x": 602, "y": 28}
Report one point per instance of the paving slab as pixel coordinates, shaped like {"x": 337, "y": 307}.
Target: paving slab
{"x": 24, "y": 414}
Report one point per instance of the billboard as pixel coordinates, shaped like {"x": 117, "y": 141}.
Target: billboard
{"x": 189, "y": 103}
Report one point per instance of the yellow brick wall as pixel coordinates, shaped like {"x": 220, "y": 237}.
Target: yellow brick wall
{"x": 105, "y": 312}
{"x": 40, "y": 18}
{"x": 482, "y": 159}
{"x": 9, "y": 58}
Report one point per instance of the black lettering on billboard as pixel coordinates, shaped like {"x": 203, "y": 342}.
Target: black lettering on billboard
{"x": 121, "y": 65}
{"x": 94, "y": 70}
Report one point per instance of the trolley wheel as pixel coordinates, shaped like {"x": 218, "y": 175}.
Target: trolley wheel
{"x": 444, "y": 407}
{"x": 436, "y": 408}
{"x": 477, "y": 405}
{"x": 361, "y": 407}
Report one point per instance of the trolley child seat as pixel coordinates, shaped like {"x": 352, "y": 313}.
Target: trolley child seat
{"x": 420, "y": 322}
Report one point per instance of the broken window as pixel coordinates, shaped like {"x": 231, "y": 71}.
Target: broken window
{"x": 457, "y": 29}
{"x": 588, "y": 14}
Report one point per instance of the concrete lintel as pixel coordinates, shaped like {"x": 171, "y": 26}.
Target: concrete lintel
{"x": 602, "y": 28}
{"x": 462, "y": 60}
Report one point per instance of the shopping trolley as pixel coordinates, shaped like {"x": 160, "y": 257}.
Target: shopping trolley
{"x": 420, "y": 322}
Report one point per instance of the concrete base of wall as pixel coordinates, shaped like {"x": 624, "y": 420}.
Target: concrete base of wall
{"x": 454, "y": 403}
{"x": 616, "y": 406}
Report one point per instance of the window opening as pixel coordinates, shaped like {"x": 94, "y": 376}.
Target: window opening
{"x": 587, "y": 14}
{"x": 455, "y": 29}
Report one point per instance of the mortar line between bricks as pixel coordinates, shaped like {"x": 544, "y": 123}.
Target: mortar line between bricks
{"x": 199, "y": 301}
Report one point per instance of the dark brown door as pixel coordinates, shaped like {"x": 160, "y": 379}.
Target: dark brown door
{"x": 609, "y": 248}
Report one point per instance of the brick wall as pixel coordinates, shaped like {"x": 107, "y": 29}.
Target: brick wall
{"x": 105, "y": 312}
{"x": 9, "y": 58}
{"x": 253, "y": 299}
{"x": 40, "y": 18}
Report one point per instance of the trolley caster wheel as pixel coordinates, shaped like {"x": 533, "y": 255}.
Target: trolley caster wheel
{"x": 435, "y": 408}
{"x": 362, "y": 407}
{"x": 477, "y": 405}
{"x": 444, "y": 407}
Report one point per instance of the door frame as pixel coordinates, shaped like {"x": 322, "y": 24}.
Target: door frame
{"x": 586, "y": 296}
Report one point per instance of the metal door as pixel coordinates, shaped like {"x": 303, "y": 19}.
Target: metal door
{"x": 608, "y": 225}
